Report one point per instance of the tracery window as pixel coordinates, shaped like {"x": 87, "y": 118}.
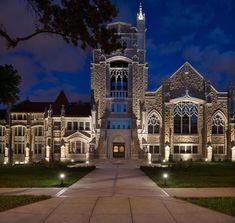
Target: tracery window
{"x": 153, "y": 124}
{"x": 185, "y": 118}
{"x": 218, "y": 124}
{"x": 119, "y": 79}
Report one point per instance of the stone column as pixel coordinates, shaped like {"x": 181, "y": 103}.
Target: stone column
{"x": 6, "y": 155}
{"x": 48, "y": 153}
{"x": 167, "y": 153}
{"x": 26, "y": 159}
{"x": 233, "y": 153}
{"x": 149, "y": 158}
{"x": 62, "y": 153}
{"x": 209, "y": 153}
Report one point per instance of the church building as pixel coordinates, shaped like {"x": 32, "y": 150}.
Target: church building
{"x": 186, "y": 118}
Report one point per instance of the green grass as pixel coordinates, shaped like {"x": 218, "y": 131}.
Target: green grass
{"x": 222, "y": 204}
{"x": 194, "y": 174}
{"x": 12, "y": 201}
{"x": 39, "y": 175}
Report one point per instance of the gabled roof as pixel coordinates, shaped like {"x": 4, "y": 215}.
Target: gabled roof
{"x": 71, "y": 109}
{"x": 62, "y": 99}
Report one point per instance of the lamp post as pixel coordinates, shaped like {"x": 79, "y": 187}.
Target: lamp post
{"x": 165, "y": 176}
{"x": 62, "y": 176}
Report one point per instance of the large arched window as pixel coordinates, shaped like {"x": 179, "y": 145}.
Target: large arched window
{"x": 218, "y": 124}
{"x": 185, "y": 118}
{"x": 119, "y": 79}
{"x": 153, "y": 124}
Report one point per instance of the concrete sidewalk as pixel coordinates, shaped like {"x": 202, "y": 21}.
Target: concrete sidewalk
{"x": 201, "y": 192}
{"x": 113, "y": 194}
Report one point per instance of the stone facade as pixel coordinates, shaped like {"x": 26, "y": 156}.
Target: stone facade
{"x": 185, "y": 118}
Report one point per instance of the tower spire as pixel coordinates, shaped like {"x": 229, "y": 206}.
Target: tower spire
{"x": 140, "y": 15}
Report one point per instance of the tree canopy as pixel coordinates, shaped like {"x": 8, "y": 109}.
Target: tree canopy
{"x": 9, "y": 85}
{"x": 78, "y": 22}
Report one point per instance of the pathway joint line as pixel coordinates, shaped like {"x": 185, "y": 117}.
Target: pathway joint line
{"x": 130, "y": 210}
{"x": 173, "y": 217}
{"x": 52, "y": 211}
{"x": 93, "y": 208}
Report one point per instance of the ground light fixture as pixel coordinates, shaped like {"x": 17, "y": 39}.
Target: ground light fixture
{"x": 165, "y": 176}
{"x": 62, "y": 176}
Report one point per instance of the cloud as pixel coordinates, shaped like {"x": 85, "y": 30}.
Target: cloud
{"x": 212, "y": 60}
{"x": 218, "y": 36}
{"x": 182, "y": 14}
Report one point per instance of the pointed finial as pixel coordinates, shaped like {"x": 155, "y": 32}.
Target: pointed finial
{"x": 140, "y": 14}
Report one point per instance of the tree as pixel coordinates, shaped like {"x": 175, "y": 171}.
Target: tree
{"x": 78, "y": 22}
{"x": 9, "y": 85}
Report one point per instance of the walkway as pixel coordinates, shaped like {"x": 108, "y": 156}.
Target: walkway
{"x": 114, "y": 193}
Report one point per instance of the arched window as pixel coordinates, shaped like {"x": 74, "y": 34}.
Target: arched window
{"x": 185, "y": 118}
{"x": 153, "y": 124}
{"x": 119, "y": 79}
{"x": 218, "y": 124}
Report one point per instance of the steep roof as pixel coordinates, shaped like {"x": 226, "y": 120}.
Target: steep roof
{"x": 71, "y": 109}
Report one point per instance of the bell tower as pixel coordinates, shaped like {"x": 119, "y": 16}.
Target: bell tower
{"x": 140, "y": 20}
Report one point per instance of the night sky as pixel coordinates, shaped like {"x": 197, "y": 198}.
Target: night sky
{"x": 201, "y": 32}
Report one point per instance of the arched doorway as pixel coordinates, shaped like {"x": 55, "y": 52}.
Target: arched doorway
{"x": 118, "y": 150}
{"x": 118, "y": 147}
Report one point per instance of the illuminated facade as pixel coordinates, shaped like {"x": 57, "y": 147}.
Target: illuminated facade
{"x": 185, "y": 118}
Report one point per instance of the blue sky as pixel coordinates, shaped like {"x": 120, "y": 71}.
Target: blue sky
{"x": 198, "y": 31}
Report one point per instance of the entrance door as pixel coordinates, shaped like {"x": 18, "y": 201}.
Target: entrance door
{"x": 118, "y": 150}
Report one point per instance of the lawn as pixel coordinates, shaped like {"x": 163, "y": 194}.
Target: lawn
{"x": 39, "y": 175}
{"x": 222, "y": 204}
{"x": 194, "y": 174}
{"x": 12, "y": 201}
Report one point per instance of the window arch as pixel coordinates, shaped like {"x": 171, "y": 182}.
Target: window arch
{"x": 218, "y": 124}
{"x": 153, "y": 124}
{"x": 119, "y": 79}
{"x": 185, "y": 118}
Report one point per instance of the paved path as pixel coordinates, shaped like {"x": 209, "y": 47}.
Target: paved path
{"x": 201, "y": 192}
{"x": 113, "y": 194}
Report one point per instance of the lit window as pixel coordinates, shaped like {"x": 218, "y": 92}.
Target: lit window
{"x": 119, "y": 108}
{"x": 218, "y": 124}
{"x": 119, "y": 124}
{"x": 185, "y": 118}
{"x": 153, "y": 124}
{"x": 77, "y": 147}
